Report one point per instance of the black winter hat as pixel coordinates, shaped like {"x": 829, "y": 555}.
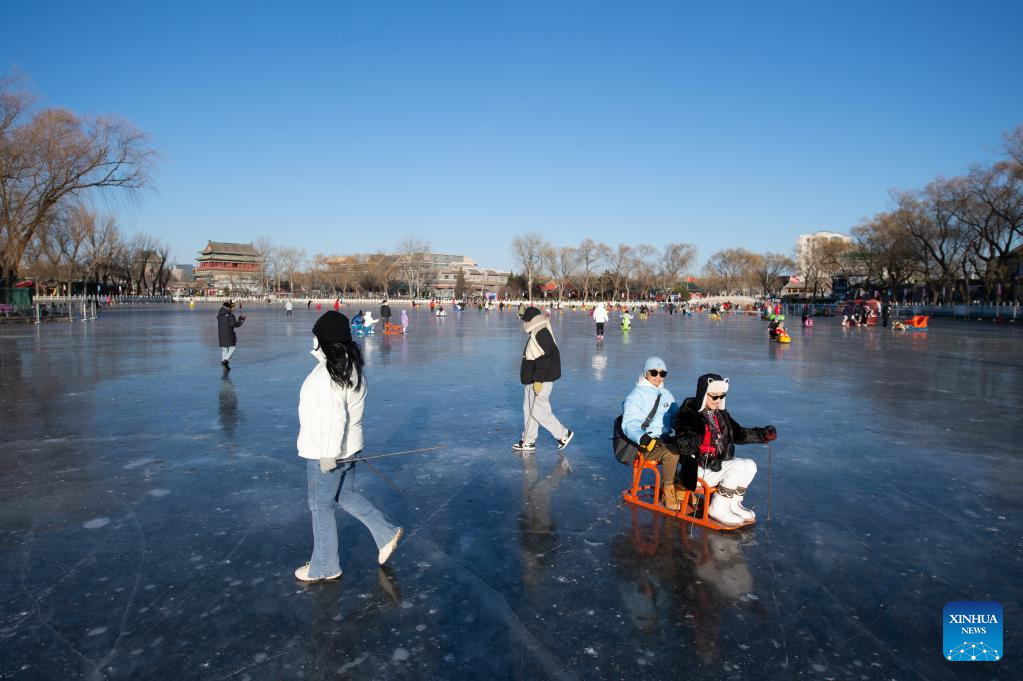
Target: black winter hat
{"x": 530, "y": 313}
{"x": 333, "y": 327}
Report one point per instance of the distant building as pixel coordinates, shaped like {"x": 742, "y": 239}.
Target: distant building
{"x": 224, "y": 266}
{"x": 183, "y": 272}
{"x": 436, "y": 272}
{"x": 182, "y": 278}
{"x": 806, "y": 242}
{"x": 477, "y": 280}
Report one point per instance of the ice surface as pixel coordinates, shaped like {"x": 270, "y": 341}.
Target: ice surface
{"x": 152, "y": 512}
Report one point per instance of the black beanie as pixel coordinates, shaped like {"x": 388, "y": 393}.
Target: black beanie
{"x": 530, "y": 313}
{"x": 333, "y": 327}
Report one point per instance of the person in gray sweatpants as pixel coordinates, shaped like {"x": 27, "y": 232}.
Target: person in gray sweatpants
{"x": 541, "y": 366}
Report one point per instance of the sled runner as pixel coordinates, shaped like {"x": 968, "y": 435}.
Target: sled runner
{"x": 694, "y": 504}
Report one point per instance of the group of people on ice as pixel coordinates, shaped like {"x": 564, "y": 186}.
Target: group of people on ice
{"x": 693, "y": 440}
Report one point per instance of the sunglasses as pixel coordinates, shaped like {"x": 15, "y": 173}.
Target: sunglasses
{"x": 655, "y": 372}
{"x": 716, "y": 397}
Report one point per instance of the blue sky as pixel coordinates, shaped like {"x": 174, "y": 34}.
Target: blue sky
{"x": 341, "y": 127}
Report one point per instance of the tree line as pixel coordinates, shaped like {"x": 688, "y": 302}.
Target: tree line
{"x": 84, "y": 252}
{"x": 951, "y": 233}
{"x": 598, "y": 270}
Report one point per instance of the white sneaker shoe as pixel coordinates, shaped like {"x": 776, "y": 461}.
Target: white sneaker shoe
{"x": 389, "y": 547}
{"x": 302, "y": 573}
{"x": 720, "y": 510}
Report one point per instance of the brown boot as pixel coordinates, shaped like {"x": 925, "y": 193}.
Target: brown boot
{"x": 669, "y": 498}
{"x": 680, "y": 494}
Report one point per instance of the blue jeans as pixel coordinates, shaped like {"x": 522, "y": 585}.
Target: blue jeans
{"x": 328, "y": 491}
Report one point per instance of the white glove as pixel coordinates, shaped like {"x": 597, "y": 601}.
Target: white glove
{"x": 327, "y": 465}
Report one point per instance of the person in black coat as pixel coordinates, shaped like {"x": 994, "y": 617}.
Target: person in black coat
{"x": 541, "y": 366}
{"x": 706, "y": 438}
{"x": 226, "y": 324}
{"x": 385, "y": 313}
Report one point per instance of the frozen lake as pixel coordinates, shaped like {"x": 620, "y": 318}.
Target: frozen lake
{"x": 152, "y": 512}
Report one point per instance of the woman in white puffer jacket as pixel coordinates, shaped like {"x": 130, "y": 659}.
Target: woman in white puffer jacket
{"x": 600, "y": 317}
{"x": 330, "y": 410}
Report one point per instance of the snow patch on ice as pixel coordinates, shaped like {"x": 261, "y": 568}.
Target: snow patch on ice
{"x": 95, "y": 523}
{"x": 97, "y": 631}
{"x": 354, "y": 663}
{"x": 159, "y": 492}
{"x": 136, "y": 464}
{"x": 400, "y": 655}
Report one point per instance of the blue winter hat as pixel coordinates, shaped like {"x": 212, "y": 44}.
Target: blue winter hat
{"x": 654, "y": 363}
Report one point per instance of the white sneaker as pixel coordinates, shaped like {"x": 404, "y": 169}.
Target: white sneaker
{"x": 523, "y": 446}
{"x": 389, "y": 547}
{"x": 303, "y": 574}
{"x": 720, "y": 510}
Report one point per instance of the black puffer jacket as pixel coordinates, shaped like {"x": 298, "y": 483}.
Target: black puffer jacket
{"x": 547, "y": 367}
{"x": 226, "y": 324}
{"x": 691, "y": 430}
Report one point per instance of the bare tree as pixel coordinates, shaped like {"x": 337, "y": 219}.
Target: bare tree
{"x": 732, "y": 266}
{"x": 591, "y": 254}
{"x": 562, "y": 263}
{"x": 411, "y": 250}
{"x": 674, "y": 263}
{"x": 528, "y": 249}
{"x": 290, "y": 260}
{"x": 1014, "y": 146}
{"x": 767, "y": 270}
{"x": 618, "y": 263}
{"x": 51, "y": 156}
{"x": 643, "y": 268}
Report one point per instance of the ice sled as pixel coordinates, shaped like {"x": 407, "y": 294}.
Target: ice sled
{"x": 441, "y": 313}
{"x": 392, "y": 329}
{"x": 914, "y": 323}
{"x": 694, "y": 504}
{"x": 781, "y": 336}
{"x": 713, "y": 315}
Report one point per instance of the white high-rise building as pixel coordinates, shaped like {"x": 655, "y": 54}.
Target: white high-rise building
{"x": 804, "y": 243}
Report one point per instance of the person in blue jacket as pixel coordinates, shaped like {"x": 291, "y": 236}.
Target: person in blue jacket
{"x": 654, "y": 440}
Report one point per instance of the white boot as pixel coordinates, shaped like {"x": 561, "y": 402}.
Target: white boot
{"x": 738, "y": 509}
{"x": 721, "y": 511}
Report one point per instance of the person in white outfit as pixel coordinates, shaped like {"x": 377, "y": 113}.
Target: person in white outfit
{"x": 706, "y": 439}
{"x": 330, "y": 410}
{"x": 600, "y": 317}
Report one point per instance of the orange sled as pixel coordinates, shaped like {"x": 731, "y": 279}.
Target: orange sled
{"x": 918, "y": 321}
{"x": 392, "y": 329}
{"x": 649, "y": 496}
